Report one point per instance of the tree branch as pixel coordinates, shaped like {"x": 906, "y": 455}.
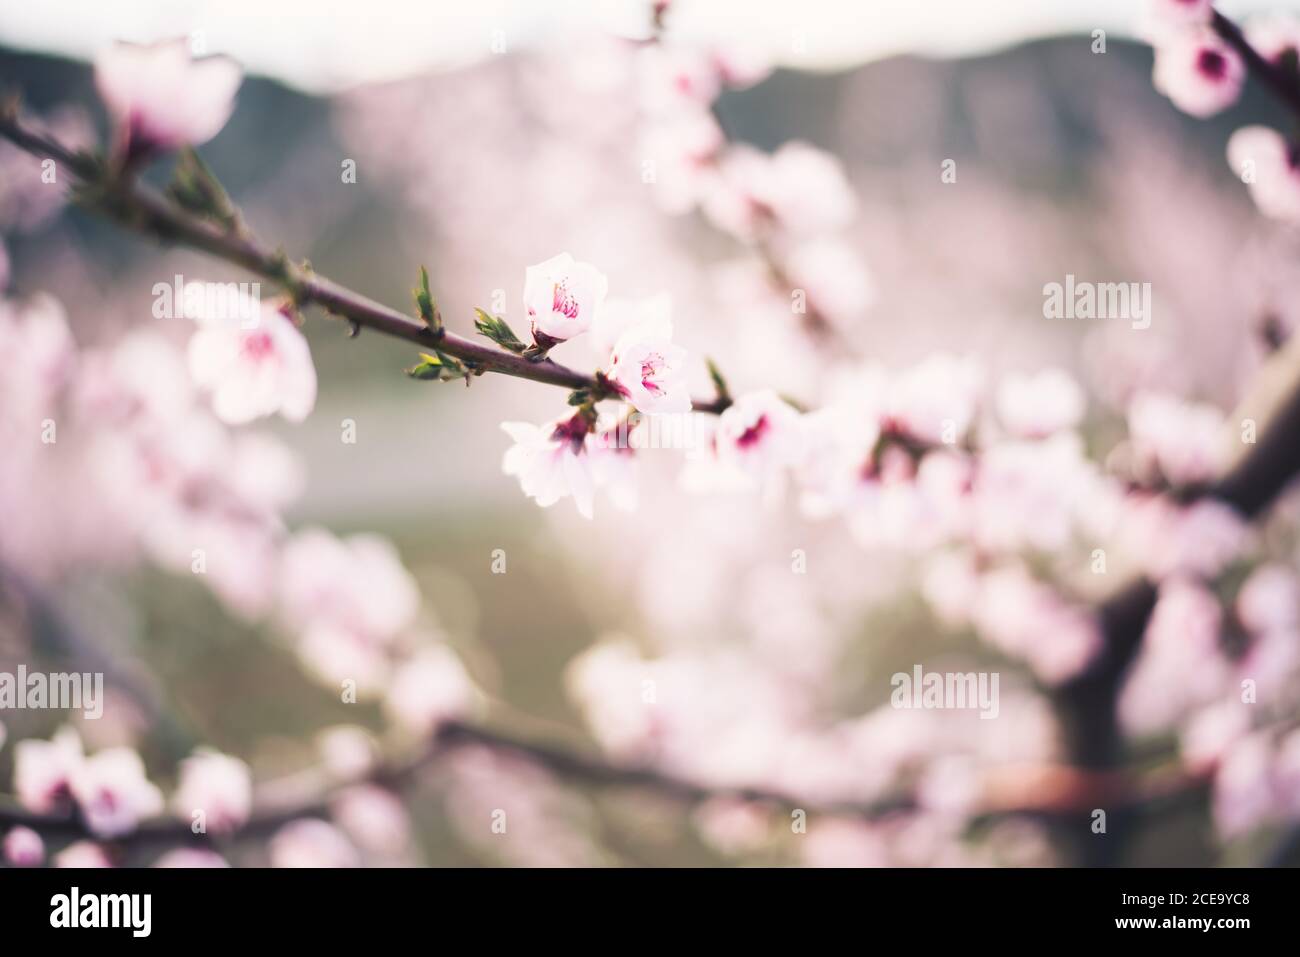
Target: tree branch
{"x": 1049, "y": 792}
{"x": 1281, "y": 85}
{"x": 145, "y": 211}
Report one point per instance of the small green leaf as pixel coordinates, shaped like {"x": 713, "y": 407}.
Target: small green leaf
{"x": 499, "y": 331}
{"x": 719, "y": 383}
{"x": 439, "y": 366}
{"x": 195, "y": 188}
{"x": 426, "y": 304}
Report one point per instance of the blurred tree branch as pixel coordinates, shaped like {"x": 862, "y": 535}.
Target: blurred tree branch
{"x": 1048, "y": 792}
{"x": 1282, "y": 85}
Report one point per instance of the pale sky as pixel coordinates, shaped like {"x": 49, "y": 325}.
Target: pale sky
{"x": 325, "y": 45}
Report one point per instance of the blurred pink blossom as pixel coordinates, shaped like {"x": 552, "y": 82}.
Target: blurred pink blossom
{"x": 311, "y": 843}
{"x": 1200, "y": 73}
{"x": 161, "y": 99}
{"x": 1269, "y": 165}
{"x": 357, "y": 584}
{"x": 374, "y": 818}
{"x": 799, "y": 189}
{"x": 219, "y": 786}
{"x": 759, "y": 436}
{"x": 83, "y": 854}
{"x": 23, "y": 847}
{"x": 188, "y": 857}
{"x": 1038, "y": 404}
{"x": 1182, "y": 11}
{"x": 1275, "y": 36}
{"x": 254, "y": 372}
{"x": 1269, "y": 599}
{"x": 113, "y": 793}
{"x": 1183, "y": 440}
{"x": 430, "y": 689}
{"x": 43, "y": 770}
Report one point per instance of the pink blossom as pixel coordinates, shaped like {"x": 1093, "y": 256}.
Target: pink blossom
{"x": 1184, "y": 440}
{"x": 219, "y": 786}
{"x": 839, "y": 842}
{"x": 161, "y": 99}
{"x": 562, "y": 298}
{"x": 683, "y": 147}
{"x": 1269, "y": 599}
{"x": 142, "y": 379}
{"x": 832, "y": 274}
{"x": 1274, "y": 36}
{"x": 950, "y": 786}
{"x": 614, "y": 466}
{"x": 1272, "y": 661}
{"x": 1038, "y": 404}
{"x": 742, "y": 64}
{"x": 799, "y": 190}
{"x": 1286, "y": 774}
{"x": 759, "y": 435}
{"x": 1025, "y": 618}
{"x": 606, "y": 681}
{"x": 551, "y": 461}
{"x": 256, "y": 371}
{"x": 338, "y": 656}
{"x": 1200, "y": 73}
{"x": 1243, "y": 791}
{"x": 40, "y": 355}
{"x": 1269, "y": 165}
{"x": 1182, "y": 12}
{"x": 1180, "y": 666}
{"x": 1196, "y": 539}
{"x": 619, "y": 316}
{"x": 837, "y": 448}
{"x": 649, "y": 370}
{"x": 732, "y": 826}
{"x": 374, "y": 818}
{"x": 950, "y": 584}
{"x": 83, "y": 854}
{"x": 312, "y": 843}
{"x": 113, "y": 793}
{"x": 675, "y": 78}
{"x": 357, "y": 585}
{"x": 191, "y": 857}
{"x": 348, "y": 752}
{"x": 1212, "y": 733}
{"x": 43, "y": 770}
{"x": 934, "y": 401}
{"x": 23, "y": 847}
{"x": 1027, "y": 494}
{"x": 263, "y": 471}
{"x": 429, "y": 690}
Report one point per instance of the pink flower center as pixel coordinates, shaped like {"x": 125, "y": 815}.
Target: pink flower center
{"x": 563, "y": 301}
{"x": 571, "y": 432}
{"x": 1212, "y": 64}
{"x": 754, "y": 434}
{"x": 650, "y": 368}
{"x": 258, "y": 346}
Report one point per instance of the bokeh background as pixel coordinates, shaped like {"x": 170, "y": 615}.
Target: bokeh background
{"x": 477, "y": 164}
